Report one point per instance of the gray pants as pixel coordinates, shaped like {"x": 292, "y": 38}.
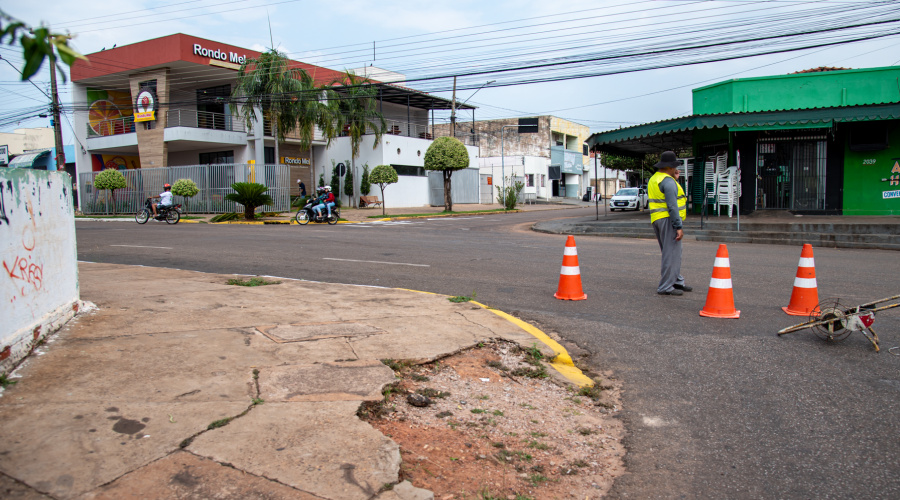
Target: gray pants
{"x": 670, "y": 270}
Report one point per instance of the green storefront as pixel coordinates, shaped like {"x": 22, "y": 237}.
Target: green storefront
{"x": 824, "y": 142}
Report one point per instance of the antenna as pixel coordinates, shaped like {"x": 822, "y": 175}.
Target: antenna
{"x": 271, "y": 39}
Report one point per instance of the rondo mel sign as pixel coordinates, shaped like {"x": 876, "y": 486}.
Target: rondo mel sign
{"x": 145, "y": 106}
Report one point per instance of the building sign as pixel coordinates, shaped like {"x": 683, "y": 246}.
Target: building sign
{"x": 890, "y": 195}
{"x": 221, "y": 55}
{"x": 145, "y": 106}
{"x": 4, "y": 155}
{"x": 289, "y": 160}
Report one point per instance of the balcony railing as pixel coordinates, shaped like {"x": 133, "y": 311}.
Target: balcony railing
{"x": 203, "y": 119}
{"x": 112, "y": 126}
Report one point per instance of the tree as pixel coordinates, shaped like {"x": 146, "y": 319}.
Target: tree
{"x": 287, "y": 96}
{"x": 365, "y": 186}
{"x": 322, "y": 179}
{"x": 509, "y": 195}
{"x": 110, "y": 179}
{"x": 38, "y": 44}
{"x": 185, "y": 188}
{"x": 447, "y": 154}
{"x": 383, "y": 175}
{"x": 348, "y": 183}
{"x": 355, "y": 112}
{"x": 250, "y": 195}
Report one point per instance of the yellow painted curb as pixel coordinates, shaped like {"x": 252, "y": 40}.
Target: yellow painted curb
{"x": 561, "y": 361}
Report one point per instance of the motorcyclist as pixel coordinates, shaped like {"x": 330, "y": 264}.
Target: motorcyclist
{"x": 165, "y": 198}
{"x": 329, "y": 199}
{"x": 320, "y": 201}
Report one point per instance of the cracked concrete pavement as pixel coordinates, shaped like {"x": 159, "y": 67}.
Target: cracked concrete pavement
{"x": 181, "y": 386}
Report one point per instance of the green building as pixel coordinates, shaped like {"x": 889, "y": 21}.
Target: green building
{"x": 823, "y": 141}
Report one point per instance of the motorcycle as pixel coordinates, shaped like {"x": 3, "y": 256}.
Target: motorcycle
{"x": 169, "y": 214}
{"x": 306, "y": 214}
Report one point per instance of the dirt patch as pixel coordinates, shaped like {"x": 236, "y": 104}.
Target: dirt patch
{"x": 488, "y": 434}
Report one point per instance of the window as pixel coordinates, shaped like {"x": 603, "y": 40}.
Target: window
{"x": 217, "y": 158}
{"x": 409, "y": 170}
{"x": 529, "y": 180}
{"x": 269, "y": 155}
{"x": 211, "y": 107}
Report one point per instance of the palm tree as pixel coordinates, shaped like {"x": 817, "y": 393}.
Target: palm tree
{"x": 355, "y": 111}
{"x": 250, "y": 195}
{"x": 268, "y": 83}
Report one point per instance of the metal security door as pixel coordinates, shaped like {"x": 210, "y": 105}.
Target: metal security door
{"x": 790, "y": 173}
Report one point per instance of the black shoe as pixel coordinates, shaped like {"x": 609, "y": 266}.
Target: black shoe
{"x": 683, "y": 288}
{"x": 673, "y": 291}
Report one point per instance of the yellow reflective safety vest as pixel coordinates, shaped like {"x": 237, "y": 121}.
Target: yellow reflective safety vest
{"x": 658, "y": 209}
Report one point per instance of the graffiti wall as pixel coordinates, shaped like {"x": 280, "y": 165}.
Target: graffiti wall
{"x": 39, "y": 277}
{"x": 100, "y": 162}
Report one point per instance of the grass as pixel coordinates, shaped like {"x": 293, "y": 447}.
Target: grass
{"x": 432, "y": 393}
{"x": 537, "y": 479}
{"x": 258, "y": 401}
{"x": 420, "y": 378}
{"x": 433, "y": 214}
{"x": 254, "y": 281}
{"x": 219, "y": 423}
{"x": 477, "y": 410}
{"x": 396, "y": 365}
{"x": 5, "y": 382}
{"x": 537, "y": 445}
{"x": 462, "y": 298}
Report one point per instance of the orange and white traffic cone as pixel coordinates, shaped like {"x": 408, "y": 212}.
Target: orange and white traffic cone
{"x": 805, "y": 297}
{"x": 720, "y": 298}
{"x": 570, "y": 275}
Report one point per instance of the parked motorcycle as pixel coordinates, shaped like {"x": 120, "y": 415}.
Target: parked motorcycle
{"x": 169, "y": 214}
{"x": 306, "y": 214}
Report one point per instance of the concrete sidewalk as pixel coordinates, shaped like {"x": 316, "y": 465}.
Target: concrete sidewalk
{"x": 180, "y": 386}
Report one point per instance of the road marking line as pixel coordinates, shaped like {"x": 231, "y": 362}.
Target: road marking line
{"x": 141, "y": 246}
{"x": 456, "y": 218}
{"x": 378, "y": 262}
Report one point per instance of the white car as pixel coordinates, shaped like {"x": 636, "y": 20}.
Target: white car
{"x": 629, "y": 199}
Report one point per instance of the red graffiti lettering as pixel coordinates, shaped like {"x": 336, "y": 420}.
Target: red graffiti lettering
{"x": 25, "y": 270}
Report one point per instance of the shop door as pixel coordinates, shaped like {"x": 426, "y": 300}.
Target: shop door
{"x": 790, "y": 174}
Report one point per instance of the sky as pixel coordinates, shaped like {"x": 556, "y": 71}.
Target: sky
{"x": 431, "y": 41}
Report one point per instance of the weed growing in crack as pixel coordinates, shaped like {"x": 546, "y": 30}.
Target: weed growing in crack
{"x": 254, "y": 281}
{"x": 462, "y": 298}
{"x": 219, "y": 423}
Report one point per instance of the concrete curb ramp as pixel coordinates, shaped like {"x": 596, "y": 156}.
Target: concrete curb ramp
{"x": 178, "y": 374}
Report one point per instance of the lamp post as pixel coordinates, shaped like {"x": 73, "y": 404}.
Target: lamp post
{"x": 503, "y": 158}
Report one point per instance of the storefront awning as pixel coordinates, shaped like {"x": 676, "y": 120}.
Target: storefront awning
{"x": 27, "y": 160}
{"x": 677, "y": 133}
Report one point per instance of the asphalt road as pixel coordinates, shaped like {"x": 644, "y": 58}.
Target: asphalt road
{"x": 715, "y": 408}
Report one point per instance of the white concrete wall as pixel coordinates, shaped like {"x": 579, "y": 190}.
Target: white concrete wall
{"x": 39, "y": 290}
{"x": 391, "y": 150}
{"x": 518, "y": 166}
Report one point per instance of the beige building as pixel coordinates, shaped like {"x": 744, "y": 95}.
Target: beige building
{"x": 552, "y": 161}
{"x": 26, "y": 139}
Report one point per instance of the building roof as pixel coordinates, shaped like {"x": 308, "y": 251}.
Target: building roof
{"x": 677, "y": 133}
{"x": 26, "y": 160}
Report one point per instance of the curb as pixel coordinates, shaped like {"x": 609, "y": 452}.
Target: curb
{"x": 435, "y": 216}
{"x": 561, "y": 362}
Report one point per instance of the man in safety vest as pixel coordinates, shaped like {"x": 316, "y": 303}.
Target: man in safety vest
{"x": 668, "y": 208}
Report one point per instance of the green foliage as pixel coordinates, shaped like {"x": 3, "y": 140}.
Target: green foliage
{"x": 509, "y": 195}
{"x": 383, "y": 175}
{"x": 336, "y": 178}
{"x": 219, "y": 423}
{"x": 110, "y": 179}
{"x": 462, "y": 298}
{"x": 322, "y": 179}
{"x": 225, "y": 217}
{"x": 185, "y": 187}
{"x": 365, "y": 186}
{"x": 37, "y": 44}
{"x": 348, "y": 182}
{"x": 250, "y": 195}
{"x": 5, "y": 382}
{"x": 446, "y": 154}
{"x": 355, "y": 110}
{"x": 254, "y": 281}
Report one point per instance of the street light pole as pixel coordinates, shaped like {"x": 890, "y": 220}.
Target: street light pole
{"x": 503, "y": 159}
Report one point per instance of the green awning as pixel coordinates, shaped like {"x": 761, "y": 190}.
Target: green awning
{"x": 27, "y": 160}
{"x": 677, "y": 133}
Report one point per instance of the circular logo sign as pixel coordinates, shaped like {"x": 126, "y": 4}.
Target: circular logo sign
{"x": 145, "y": 106}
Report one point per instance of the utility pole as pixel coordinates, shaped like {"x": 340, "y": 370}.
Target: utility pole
{"x": 54, "y": 109}
{"x": 453, "y": 111}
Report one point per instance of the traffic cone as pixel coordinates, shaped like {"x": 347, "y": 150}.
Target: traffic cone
{"x": 720, "y": 298}
{"x": 805, "y": 297}
{"x": 570, "y": 274}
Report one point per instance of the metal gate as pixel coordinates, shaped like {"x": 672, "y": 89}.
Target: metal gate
{"x": 213, "y": 181}
{"x": 790, "y": 173}
{"x": 463, "y": 184}
{"x": 487, "y": 189}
